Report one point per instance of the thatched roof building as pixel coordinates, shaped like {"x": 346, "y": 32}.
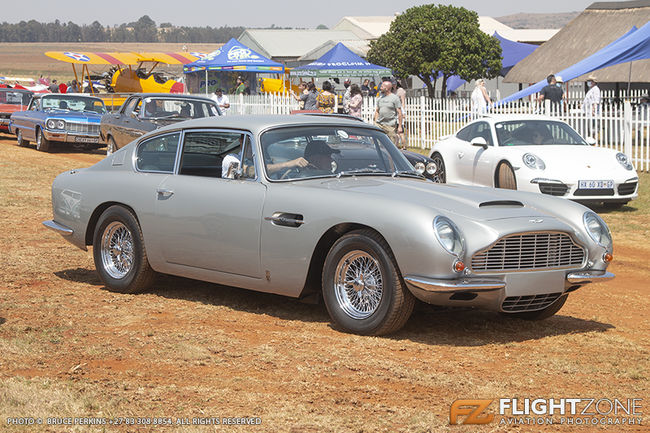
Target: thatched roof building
{"x": 599, "y": 24}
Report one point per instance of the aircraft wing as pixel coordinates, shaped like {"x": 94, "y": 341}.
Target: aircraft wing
{"x": 80, "y": 58}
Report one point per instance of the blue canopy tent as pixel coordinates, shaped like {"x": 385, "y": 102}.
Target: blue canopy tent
{"x": 340, "y": 62}
{"x": 512, "y": 52}
{"x": 633, "y": 45}
{"x": 234, "y": 57}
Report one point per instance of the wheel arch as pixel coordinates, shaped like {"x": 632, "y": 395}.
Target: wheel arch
{"x": 495, "y": 177}
{"x": 312, "y": 288}
{"x": 99, "y": 210}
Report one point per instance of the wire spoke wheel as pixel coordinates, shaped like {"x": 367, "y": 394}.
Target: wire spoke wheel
{"x": 439, "y": 176}
{"x": 117, "y": 250}
{"x": 359, "y": 284}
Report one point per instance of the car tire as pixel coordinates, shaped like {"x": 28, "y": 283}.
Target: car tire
{"x": 505, "y": 176}
{"x": 42, "y": 143}
{"x": 111, "y": 147}
{"x": 540, "y": 314}
{"x": 440, "y": 176}
{"x": 21, "y": 141}
{"x": 119, "y": 252}
{"x": 362, "y": 287}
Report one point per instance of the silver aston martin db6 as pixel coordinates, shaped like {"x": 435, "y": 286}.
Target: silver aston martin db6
{"x": 310, "y": 207}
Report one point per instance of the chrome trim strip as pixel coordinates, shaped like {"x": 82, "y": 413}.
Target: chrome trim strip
{"x": 543, "y": 180}
{"x": 59, "y": 228}
{"x": 284, "y": 220}
{"x": 586, "y": 277}
{"x": 451, "y": 286}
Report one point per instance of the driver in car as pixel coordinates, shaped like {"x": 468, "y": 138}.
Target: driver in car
{"x": 319, "y": 155}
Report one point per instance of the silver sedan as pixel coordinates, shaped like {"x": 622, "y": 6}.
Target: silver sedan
{"x": 326, "y": 208}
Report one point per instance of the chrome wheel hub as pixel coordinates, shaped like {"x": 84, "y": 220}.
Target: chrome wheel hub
{"x": 117, "y": 250}
{"x": 358, "y": 284}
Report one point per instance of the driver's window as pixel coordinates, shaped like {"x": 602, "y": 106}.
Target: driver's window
{"x": 36, "y": 105}
{"x": 482, "y": 129}
{"x": 131, "y": 106}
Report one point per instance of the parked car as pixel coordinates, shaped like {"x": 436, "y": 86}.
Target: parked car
{"x": 63, "y": 118}
{"x": 538, "y": 154}
{"x": 144, "y": 112}
{"x": 303, "y": 207}
{"x": 12, "y": 100}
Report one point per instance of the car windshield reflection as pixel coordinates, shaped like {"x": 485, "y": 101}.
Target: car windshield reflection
{"x": 73, "y": 103}
{"x": 331, "y": 151}
{"x": 536, "y": 132}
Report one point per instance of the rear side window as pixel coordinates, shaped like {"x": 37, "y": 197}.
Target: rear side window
{"x": 204, "y": 152}
{"x": 158, "y": 154}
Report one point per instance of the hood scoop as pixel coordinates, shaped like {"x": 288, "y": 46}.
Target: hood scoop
{"x": 502, "y": 204}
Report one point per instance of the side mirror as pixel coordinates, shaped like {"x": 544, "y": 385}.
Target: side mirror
{"x": 591, "y": 141}
{"x": 479, "y": 141}
{"x": 233, "y": 170}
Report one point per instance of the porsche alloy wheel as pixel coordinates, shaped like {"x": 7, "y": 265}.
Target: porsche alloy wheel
{"x": 362, "y": 287}
{"x": 42, "y": 143}
{"x": 119, "y": 253}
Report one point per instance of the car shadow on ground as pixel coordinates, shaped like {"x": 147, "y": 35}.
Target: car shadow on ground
{"x": 604, "y": 209}
{"x": 2, "y": 320}
{"x": 428, "y": 324}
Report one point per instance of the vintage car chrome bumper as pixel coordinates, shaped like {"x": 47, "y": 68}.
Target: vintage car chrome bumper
{"x": 586, "y": 277}
{"x": 59, "y": 228}
{"x": 69, "y": 137}
{"x": 4, "y": 121}
{"x": 452, "y": 286}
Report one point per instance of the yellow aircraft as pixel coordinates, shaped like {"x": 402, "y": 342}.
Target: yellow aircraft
{"x": 124, "y": 77}
{"x": 280, "y": 83}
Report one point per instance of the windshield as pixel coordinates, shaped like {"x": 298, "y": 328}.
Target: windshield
{"x": 536, "y": 132}
{"x": 73, "y": 103}
{"x": 326, "y": 151}
{"x": 178, "y": 108}
{"x": 14, "y": 97}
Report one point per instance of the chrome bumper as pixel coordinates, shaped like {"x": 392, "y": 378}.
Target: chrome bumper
{"x": 68, "y": 137}
{"x": 60, "y": 229}
{"x": 454, "y": 286}
{"x": 586, "y": 277}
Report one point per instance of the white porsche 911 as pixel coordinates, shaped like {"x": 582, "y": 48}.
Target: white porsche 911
{"x": 538, "y": 154}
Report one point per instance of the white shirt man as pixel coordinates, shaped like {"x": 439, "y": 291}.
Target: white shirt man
{"x": 222, "y": 101}
{"x": 591, "y": 103}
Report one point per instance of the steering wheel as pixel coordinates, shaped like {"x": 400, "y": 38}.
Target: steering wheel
{"x": 290, "y": 171}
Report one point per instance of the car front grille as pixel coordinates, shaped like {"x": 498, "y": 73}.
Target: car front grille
{"x": 528, "y": 251}
{"x": 593, "y": 192}
{"x": 557, "y": 189}
{"x": 82, "y": 128}
{"x": 626, "y": 188}
{"x": 514, "y": 304}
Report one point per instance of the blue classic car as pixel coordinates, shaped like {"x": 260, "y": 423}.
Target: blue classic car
{"x": 59, "y": 118}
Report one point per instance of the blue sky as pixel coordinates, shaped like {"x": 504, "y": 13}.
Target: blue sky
{"x": 253, "y": 13}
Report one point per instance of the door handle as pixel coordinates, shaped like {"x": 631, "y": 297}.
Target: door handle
{"x": 460, "y": 155}
{"x": 164, "y": 193}
{"x": 286, "y": 219}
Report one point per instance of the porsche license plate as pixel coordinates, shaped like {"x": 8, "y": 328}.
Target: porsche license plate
{"x": 596, "y": 184}
{"x": 86, "y": 139}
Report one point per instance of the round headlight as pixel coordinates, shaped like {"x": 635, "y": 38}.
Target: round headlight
{"x": 597, "y": 229}
{"x": 431, "y": 168}
{"x": 622, "y": 159}
{"x": 60, "y": 124}
{"x": 419, "y": 167}
{"x": 51, "y": 124}
{"x": 449, "y": 236}
{"x": 533, "y": 161}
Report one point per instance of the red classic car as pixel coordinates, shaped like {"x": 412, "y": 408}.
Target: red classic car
{"x": 12, "y": 100}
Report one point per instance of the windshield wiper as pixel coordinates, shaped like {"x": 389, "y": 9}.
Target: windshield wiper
{"x": 366, "y": 170}
{"x": 407, "y": 173}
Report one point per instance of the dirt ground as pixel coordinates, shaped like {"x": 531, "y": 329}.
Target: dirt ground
{"x": 186, "y": 349}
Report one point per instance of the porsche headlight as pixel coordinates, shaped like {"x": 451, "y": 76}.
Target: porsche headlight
{"x": 419, "y": 167}
{"x": 431, "y": 168}
{"x": 597, "y": 229}
{"x": 449, "y": 236}
{"x": 533, "y": 161}
{"x": 622, "y": 159}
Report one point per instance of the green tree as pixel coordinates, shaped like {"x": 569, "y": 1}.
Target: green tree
{"x": 437, "y": 41}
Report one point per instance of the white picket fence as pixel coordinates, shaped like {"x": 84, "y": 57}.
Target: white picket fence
{"x": 619, "y": 126}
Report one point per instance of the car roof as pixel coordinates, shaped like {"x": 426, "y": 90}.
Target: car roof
{"x": 171, "y": 96}
{"x": 259, "y": 123}
{"x": 514, "y": 117}
{"x": 83, "y": 95}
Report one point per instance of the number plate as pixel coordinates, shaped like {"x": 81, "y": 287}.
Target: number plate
{"x": 86, "y": 139}
{"x": 596, "y": 184}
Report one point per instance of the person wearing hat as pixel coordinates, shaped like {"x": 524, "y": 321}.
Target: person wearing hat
{"x": 591, "y": 103}
{"x": 319, "y": 155}
{"x": 551, "y": 92}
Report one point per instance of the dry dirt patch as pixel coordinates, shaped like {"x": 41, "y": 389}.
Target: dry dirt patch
{"x": 189, "y": 349}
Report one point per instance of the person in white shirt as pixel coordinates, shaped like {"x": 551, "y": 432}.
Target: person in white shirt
{"x": 222, "y": 101}
{"x": 591, "y": 106}
{"x": 480, "y": 98}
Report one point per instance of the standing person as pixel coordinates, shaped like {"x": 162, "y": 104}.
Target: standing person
{"x": 239, "y": 89}
{"x": 551, "y": 92}
{"x": 480, "y": 98}
{"x": 346, "y": 96}
{"x": 401, "y": 94}
{"x": 356, "y": 101}
{"x": 372, "y": 89}
{"x": 54, "y": 86}
{"x": 73, "y": 87}
{"x": 302, "y": 88}
{"x": 364, "y": 87}
{"x": 326, "y": 100}
{"x": 591, "y": 105}
{"x": 309, "y": 97}
{"x": 388, "y": 115}
{"x": 222, "y": 101}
